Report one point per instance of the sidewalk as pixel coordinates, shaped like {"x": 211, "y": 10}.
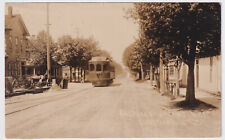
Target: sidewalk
{"x": 204, "y": 96}
{"x": 21, "y": 91}
{"x": 207, "y": 97}
{"x": 54, "y": 89}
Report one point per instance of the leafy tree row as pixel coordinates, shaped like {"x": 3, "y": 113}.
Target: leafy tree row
{"x": 183, "y": 30}
{"x": 138, "y": 58}
{"x": 73, "y": 52}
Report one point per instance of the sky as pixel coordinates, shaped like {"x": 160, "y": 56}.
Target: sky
{"x": 105, "y": 22}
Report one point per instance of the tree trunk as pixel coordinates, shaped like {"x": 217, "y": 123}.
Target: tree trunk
{"x": 139, "y": 75}
{"x": 84, "y": 74}
{"x": 70, "y": 74}
{"x": 197, "y": 73}
{"x": 81, "y": 72}
{"x": 150, "y": 75}
{"x": 162, "y": 89}
{"x": 153, "y": 74}
{"x": 190, "y": 91}
{"x": 177, "y": 82}
{"x": 78, "y": 72}
{"x": 75, "y": 77}
{"x": 142, "y": 72}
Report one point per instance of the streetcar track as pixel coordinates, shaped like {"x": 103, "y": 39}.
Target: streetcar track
{"x": 22, "y": 109}
{"x": 35, "y": 99}
{"x": 48, "y": 101}
{"x": 46, "y": 116}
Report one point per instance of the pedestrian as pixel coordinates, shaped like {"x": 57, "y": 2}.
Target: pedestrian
{"x": 65, "y": 81}
{"x": 82, "y": 79}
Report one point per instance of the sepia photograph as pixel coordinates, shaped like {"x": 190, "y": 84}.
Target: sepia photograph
{"x": 112, "y": 70}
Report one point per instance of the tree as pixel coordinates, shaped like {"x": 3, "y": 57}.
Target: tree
{"x": 132, "y": 58}
{"x": 180, "y": 29}
{"x": 103, "y": 53}
{"x": 75, "y": 52}
{"x": 129, "y": 59}
{"x": 138, "y": 57}
{"x": 38, "y": 50}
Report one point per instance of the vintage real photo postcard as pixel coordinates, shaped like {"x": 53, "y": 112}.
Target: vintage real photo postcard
{"x": 112, "y": 70}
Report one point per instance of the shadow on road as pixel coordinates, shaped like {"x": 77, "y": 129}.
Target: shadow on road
{"x": 139, "y": 81}
{"x": 114, "y": 84}
{"x": 197, "y": 106}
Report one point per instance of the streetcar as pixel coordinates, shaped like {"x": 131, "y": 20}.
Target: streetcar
{"x": 101, "y": 71}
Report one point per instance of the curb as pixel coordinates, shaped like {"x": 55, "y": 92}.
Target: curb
{"x": 27, "y": 91}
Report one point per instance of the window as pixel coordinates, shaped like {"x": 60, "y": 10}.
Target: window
{"x": 105, "y": 67}
{"x": 9, "y": 69}
{"x": 16, "y": 40}
{"x": 10, "y": 39}
{"x": 10, "y": 42}
{"x": 13, "y": 69}
{"x": 171, "y": 70}
{"x": 92, "y": 67}
{"x": 98, "y": 67}
{"x": 23, "y": 68}
{"x": 21, "y": 47}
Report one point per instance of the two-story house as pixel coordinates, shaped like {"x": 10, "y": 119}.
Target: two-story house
{"x": 16, "y": 44}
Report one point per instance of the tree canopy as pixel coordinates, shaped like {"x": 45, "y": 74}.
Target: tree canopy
{"x": 177, "y": 27}
{"x": 183, "y": 30}
{"x": 38, "y": 50}
{"x": 75, "y": 52}
{"x": 137, "y": 54}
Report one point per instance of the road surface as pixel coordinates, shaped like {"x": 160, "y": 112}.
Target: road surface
{"x": 123, "y": 110}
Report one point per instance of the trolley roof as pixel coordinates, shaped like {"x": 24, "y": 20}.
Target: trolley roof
{"x": 99, "y": 58}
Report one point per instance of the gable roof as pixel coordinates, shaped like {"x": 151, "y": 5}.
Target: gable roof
{"x": 10, "y": 21}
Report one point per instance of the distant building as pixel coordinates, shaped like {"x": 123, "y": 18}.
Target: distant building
{"x": 16, "y": 44}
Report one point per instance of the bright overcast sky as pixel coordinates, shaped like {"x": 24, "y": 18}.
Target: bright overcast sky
{"x": 104, "y": 21}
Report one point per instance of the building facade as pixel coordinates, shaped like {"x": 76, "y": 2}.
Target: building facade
{"x": 207, "y": 74}
{"x": 16, "y": 45}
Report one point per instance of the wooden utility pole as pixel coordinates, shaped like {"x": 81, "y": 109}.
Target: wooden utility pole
{"x": 48, "y": 46}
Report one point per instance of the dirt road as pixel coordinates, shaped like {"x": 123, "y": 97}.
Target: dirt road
{"x": 125, "y": 109}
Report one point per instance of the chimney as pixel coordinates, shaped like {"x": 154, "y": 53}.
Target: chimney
{"x": 10, "y": 11}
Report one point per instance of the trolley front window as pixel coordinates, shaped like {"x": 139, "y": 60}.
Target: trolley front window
{"x": 92, "y": 67}
{"x": 98, "y": 67}
{"x": 105, "y": 67}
